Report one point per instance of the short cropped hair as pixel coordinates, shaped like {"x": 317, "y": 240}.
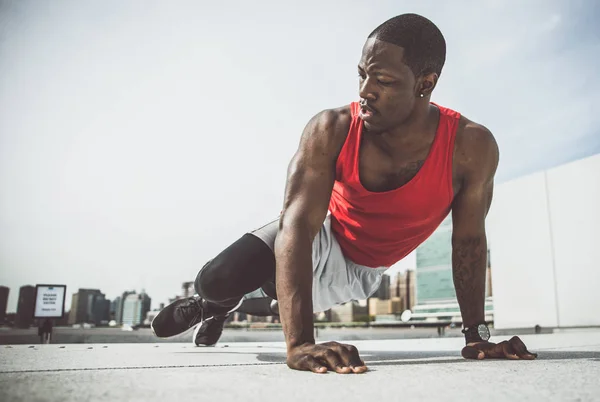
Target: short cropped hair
{"x": 423, "y": 43}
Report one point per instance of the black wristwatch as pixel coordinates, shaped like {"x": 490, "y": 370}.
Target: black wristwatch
{"x": 475, "y": 333}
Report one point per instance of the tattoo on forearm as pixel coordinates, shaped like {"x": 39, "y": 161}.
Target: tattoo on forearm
{"x": 469, "y": 257}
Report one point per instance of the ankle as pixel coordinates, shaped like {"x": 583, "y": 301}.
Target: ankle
{"x": 217, "y": 309}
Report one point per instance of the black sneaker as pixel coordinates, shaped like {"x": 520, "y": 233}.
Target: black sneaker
{"x": 178, "y": 317}
{"x": 209, "y": 332}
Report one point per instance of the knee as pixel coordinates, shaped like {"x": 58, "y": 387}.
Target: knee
{"x": 210, "y": 281}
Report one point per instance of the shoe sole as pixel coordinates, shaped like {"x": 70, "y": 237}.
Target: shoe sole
{"x": 167, "y": 337}
{"x": 197, "y": 328}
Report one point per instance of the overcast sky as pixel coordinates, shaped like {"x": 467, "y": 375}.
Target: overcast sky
{"x": 138, "y": 139}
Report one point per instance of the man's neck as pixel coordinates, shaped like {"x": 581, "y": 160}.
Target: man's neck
{"x": 422, "y": 121}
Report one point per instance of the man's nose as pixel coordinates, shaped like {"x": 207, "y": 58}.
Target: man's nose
{"x": 366, "y": 90}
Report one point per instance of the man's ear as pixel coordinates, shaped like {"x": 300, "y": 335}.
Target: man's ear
{"x": 427, "y": 84}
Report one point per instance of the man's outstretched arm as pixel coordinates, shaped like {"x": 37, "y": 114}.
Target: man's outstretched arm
{"x": 310, "y": 179}
{"x": 477, "y": 160}
{"x": 311, "y": 176}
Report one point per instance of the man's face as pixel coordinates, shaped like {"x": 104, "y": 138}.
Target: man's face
{"x": 387, "y": 86}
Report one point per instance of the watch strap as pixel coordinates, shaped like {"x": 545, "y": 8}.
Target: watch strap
{"x": 472, "y": 333}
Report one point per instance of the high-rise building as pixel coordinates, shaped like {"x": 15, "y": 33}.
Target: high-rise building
{"x": 383, "y": 293}
{"x": 26, "y": 306}
{"x": 121, "y": 305}
{"x": 73, "y": 312}
{"x": 114, "y": 307}
{"x": 135, "y": 308}
{"x": 3, "y": 302}
{"x": 146, "y": 304}
{"x": 101, "y": 310}
{"x": 82, "y": 306}
{"x": 434, "y": 267}
{"x": 403, "y": 288}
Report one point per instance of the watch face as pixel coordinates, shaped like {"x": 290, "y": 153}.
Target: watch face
{"x": 483, "y": 332}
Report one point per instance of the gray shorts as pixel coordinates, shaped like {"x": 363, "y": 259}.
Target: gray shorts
{"x": 336, "y": 279}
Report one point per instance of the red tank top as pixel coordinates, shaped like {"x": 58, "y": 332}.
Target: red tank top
{"x": 378, "y": 229}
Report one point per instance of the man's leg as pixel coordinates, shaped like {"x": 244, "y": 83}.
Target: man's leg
{"x": 241, "y": 268}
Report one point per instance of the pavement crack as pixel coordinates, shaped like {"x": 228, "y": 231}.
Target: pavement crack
{"x": 139, "y": 368}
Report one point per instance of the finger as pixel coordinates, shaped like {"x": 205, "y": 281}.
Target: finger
{"x": 508, "y": 351}
{"x": 521, "y": 350}
{"x": 355, "y": 363}
{"x": 470, "y": 352}
{"x": 349, "y": 355}
{"x": 495, "y": 350}
{"x": 344, "y": 355}
{"x": 309, "y": 363}
{"x": 334, "y": 362}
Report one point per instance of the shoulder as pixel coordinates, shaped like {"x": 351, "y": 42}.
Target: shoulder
{"x": 476, "y": 150}
{"x": 328, "y": 129}
{"x": 330, "y": 122}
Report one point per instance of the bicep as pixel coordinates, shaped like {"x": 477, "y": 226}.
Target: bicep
{"x": 308, "y": 189}
{"x": 472, "y": 203}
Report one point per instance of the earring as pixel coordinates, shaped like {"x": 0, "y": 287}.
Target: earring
{"x": 422, "y": 95}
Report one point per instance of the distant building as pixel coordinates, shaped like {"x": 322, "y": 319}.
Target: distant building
{"x": 120, "y": 305}
{"x": 135, "y": 308}
{"x": 10, "y": 318}
{"x": 379, "y": 307}
{"x": 403, "y": 288}
{"x": 101, "y": 310}
{"x": 397, "y": 305}
{"x": 383, "y": 293}
{"x": 434, "y": 267}
{"x": 150, "y": 315}
{"x": 63, "y": 321}
{"x": 239, "y": 316}
{"x": 82, "y": 306}
{"x": 114, "y": 306}
{"x": 25, "y": 307}
{"x": 257, "y": 318}
{"x": 3, "y": 302}
{"x": 187, "y": 289}
{"x": 73, "y": 312}
{"x": 350, "y": 312}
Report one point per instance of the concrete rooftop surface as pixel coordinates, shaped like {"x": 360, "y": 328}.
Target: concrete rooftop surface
{"x": 567, "y": 369}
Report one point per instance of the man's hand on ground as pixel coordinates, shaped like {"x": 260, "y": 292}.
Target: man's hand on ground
{"x": 513, "y": 349}
{"x": 320, "y": 358}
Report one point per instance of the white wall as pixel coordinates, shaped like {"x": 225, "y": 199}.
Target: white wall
{"x": 520, "y": 254}
{"x": 574, "y": 199}
{"x": 544, "y": 234}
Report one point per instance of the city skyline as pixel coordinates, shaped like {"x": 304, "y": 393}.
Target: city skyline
{"x": 127, "y": 160}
